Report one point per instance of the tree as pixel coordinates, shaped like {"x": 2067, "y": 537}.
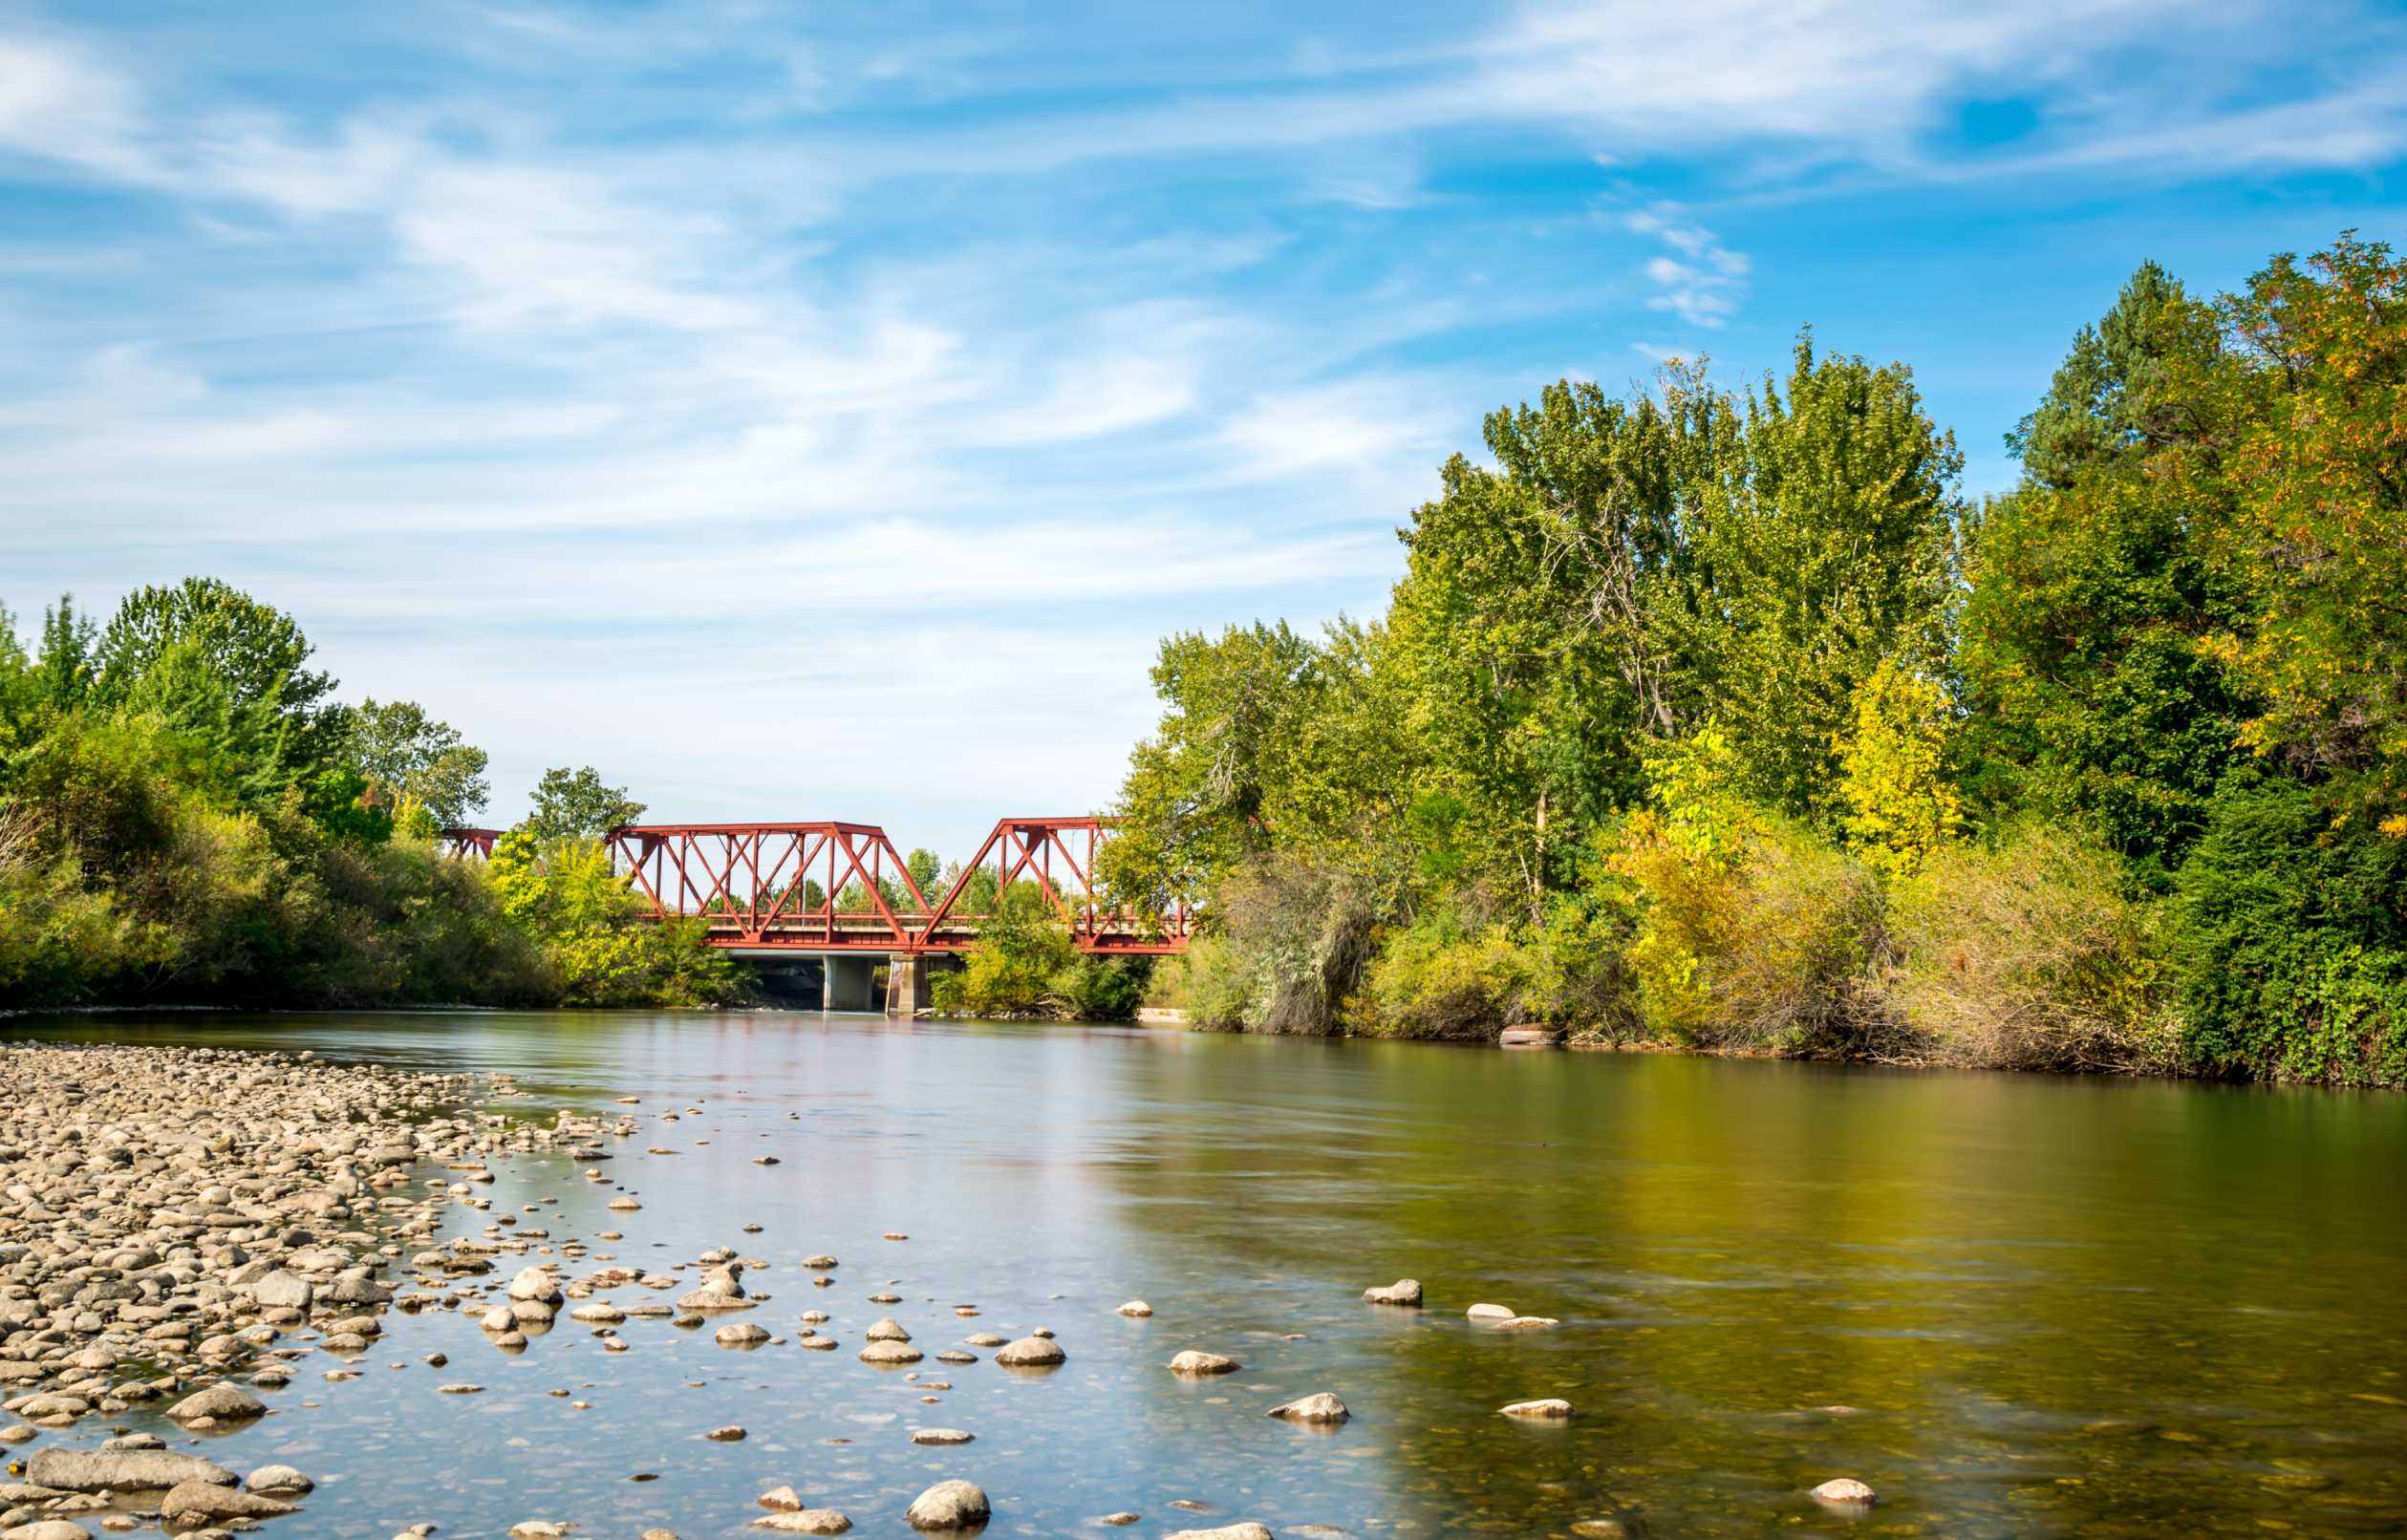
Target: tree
{"x": 397, "y": 746}
{"x": 575, "y": 806}
{"x": 64, "y": 667}
{"x": 1900, "y": 803}
{"x": 2094, "y": 585}
{"x": 927, "y": 871}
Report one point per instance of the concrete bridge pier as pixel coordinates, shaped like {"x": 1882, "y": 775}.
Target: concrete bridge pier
{"x": 852, "y": 985}
{"x": 911, "y": 980}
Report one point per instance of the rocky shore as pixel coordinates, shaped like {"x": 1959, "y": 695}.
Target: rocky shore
{"x": 168, "y": 1217}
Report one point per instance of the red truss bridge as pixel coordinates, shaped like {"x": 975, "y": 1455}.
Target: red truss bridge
{"x": 831, "y": 893}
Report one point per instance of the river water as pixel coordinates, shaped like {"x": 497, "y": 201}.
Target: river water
{"x": 2014, "y": 1305}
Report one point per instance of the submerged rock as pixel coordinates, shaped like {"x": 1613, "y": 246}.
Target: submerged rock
{"x": 1549, "y": 1409}
{"x": 1844, "y": 1490}
{"x": 1319, "y": 1407}
{"x": 1491, "y": 1313}
{"x": 1243, "y": 1531}
{"x": 202, "y": 1499}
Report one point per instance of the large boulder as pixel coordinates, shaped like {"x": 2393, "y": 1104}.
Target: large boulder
{"x": 81, "y": 1470}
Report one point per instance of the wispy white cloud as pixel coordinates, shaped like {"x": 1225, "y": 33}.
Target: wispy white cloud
{"x": 1703, "y": 284}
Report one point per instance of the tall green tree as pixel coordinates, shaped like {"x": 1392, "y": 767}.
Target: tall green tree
{"x": 400, "y": 748}
{"x": 575, "y": 806}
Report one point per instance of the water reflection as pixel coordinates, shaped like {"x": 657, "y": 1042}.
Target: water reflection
{"x": 2013, "y": 1305}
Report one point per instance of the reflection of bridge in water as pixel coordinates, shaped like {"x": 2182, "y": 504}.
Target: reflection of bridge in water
{"x": 822, "y": 908}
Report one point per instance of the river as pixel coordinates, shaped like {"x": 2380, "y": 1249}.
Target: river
{"x": 2014, "y": 1305}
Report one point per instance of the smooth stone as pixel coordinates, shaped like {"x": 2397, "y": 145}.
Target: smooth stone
{"x": 1527, "y": 1323}
{"x": 949, "y": 1505}
{"x": 1247, "y": 1530}
{"x": 730, "y": 1434}
{"x": 886, "y": 1329}
{"x": 1491, "y": 1313}
{"x": 1030, "y": 1352}
{"x": 740, "y": 1333}
{"x": 713, "y": 1299}
{"x": 780, "y": 1500}
{"x": 537, "y": 1530}
{"x": 625, "y": 1205}
{"x": 47, "y": 1530}
{"x": 1537, "y": 1408}
{"x": 1402, "y": 1292}
{"x": 534, "y": 1283}
{"x": 218, "y": 1401}
{"x": 460, "y": 1390}
{"x": 599, "y": 1313}
{"x": 281, "y": 1290}
{"x": 890, "y": 1353}
{"x": 1844, "y": 1490}
{"x": 821, "y": 1260}
{"x": 1193, "y": 1362}
{"x": 78, "y": 1471}
{"x": 278, "y": 1478}
{"x": 805, "y": 1521}
{"x": 1137, "y": 1307}
{"x": 1319, "y": 1407}
{"x": 1120, "y": 1518}
{"x": 200, "y": 1500}
{"x": 984, "y": 1339}
{"x": 956, "y": 1356}
{"x": 1602, "y": 1529}
{"x": 941, "y": 1434}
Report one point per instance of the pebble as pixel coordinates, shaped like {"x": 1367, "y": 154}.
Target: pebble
{"x": 1137, "y": 1307}
{"x": 1319, "y": 1407}
{"x": 1402, "y": 1292}
{"x": 1537, "y": 1408}
{"x": 1195, "y": 1362}
{"x": 949, "y": 1505}
{"x": 1844, "y": 1490}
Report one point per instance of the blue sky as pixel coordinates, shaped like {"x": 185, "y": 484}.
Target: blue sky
{"x": 821, "y": 410}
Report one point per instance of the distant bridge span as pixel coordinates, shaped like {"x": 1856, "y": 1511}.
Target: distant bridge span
{"x": 830, "y": 892}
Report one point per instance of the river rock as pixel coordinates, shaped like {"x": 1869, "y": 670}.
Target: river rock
{"x": 1194, "y": 1361}
{"x": 949, "y": 1505}
{"x": 599, "y": 1313}
{"x": 821, "y": 1260}
{"x": 360, "y": 1291}
{"x": 1602, "y": 1529}
{"x": 500, "y": 1318}
{"x": 941, "y": 1434}
{"x": 1319, "y": 1407}
{"x": 730, "y": 1434}
{"x": 890, "y": 1353}
{"x": 1137, "y": 1307}
{"x": 624, "y": 1204}
{"x": 1402, "y": 1292}
{"x": 1247, "y": 1530}
{"x": 78, "y": 1471}
{"x": 279, "y": 1481}
{"x": 220, "y": 1402}
{"x": 983, "y": 1339}
{"x": 282, "y": 1291}
{"x": 780, "y": 1500}
{"x": 47, "y": 1530}
{"x": 202, "y": 1500}
{"x": 886, "y": 1329}
{"x": 956, "y": 1356}
{"x": 537, "y": 1530}
{"x": 1527, "y": 1323}
{"x": 1121, "y": 1519}
{"x": 1491, "y": 1313}
{"x": 740, "y": 1334}
{"x": 533, "y": 1312}
{"x": 1030, "y": 1352}
{"x": 1844, "y": 1490}
{"x": 713, "y": 1299}
{"x": 805, "y": 1521}
{"x": 1537, "y": 1408}
{"x": 534, "y": 1283}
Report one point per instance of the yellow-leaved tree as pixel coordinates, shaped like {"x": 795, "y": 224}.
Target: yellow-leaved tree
{"x": 1899, "y": 802}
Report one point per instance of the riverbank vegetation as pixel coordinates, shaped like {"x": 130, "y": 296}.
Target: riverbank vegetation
{"x": 187, "y": 817}
{"x": 1719, "y": 716}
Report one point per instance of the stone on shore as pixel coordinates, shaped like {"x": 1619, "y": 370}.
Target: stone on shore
{"x": 202, "y": 1500}
{"x": 219, "y": 1401}
{"x": 1548, "y": 1408}
{"x": 1319, "y": 1407}
{"x": 1844, "y": 1490}
{"x": 78, "y": 1470}
{"x": 1031, "y": 1351}
{"x": 949, "y": 1505}
{"x": 1196, "y": 1362}
{"x": 1402, "y": 1292}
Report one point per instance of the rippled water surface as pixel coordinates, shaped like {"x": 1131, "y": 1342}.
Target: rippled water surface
{"x": 2013, "y": 1305}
